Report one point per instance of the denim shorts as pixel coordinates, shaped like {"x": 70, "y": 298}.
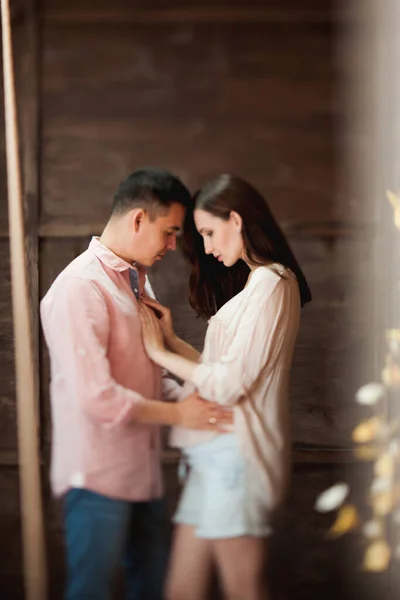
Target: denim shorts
{"x": 215, "y": 500}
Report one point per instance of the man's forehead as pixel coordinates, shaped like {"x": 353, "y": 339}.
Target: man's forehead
{"x": 175, "y": 216}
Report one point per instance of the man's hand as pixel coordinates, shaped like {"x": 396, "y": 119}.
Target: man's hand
{"x": 196, "y": 413}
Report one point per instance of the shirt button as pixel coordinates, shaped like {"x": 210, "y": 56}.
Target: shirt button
{"x": 135, "y": 290}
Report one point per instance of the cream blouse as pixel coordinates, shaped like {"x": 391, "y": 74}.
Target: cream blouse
{"x": 245, "y": 364}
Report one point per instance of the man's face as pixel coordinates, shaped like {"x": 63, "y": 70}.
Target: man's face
{"x": 158, "y": 236}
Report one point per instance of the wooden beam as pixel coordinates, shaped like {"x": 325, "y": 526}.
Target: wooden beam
{"x": 194, "y": 15}
{"x": 58, "y": 228}
{"x": 307, "y": 455}
{"x": 301, "y": 455}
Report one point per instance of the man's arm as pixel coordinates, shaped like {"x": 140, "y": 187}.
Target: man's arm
{"x": 191, "y": 413}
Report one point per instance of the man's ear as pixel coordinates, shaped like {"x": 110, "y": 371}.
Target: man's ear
{"x": 138, "y": 216}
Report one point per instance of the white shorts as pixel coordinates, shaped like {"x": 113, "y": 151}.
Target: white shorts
{"x": 214, "y": 499}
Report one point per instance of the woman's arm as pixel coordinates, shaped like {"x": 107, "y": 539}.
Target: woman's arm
{"x": 183, "y": 349}
{"x": 270, "y": 315}
{"x": 178, "y": 365}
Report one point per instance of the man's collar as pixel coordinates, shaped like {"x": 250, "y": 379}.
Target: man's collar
{"x": 107, "y": 256}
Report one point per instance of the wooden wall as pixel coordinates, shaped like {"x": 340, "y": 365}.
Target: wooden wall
{"x": 197, "y": 88}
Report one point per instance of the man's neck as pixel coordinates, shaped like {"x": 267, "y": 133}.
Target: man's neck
{"x": 114, "y": 241}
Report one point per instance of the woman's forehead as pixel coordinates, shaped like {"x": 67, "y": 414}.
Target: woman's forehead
{"x": 205, "y": 219}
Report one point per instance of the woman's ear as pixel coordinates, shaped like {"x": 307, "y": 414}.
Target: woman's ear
{"x": 236, "y": 219}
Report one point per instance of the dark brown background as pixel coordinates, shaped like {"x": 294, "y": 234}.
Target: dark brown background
{"x": 248, "y": 88}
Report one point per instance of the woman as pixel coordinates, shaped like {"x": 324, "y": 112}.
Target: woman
{"x": 245, "y": 279}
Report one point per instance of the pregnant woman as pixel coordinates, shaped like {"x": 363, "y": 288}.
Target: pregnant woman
{"x": 246, "y": 281}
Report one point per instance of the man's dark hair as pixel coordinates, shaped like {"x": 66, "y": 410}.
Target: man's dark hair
{"x": 151, "y": 189}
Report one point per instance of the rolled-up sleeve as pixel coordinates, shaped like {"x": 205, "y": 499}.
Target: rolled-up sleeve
{"x": 76, "y": 328}
{"x": 252, "y": 352}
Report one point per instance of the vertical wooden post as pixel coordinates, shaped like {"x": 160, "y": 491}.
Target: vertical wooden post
{"x": 28, "y": 88}
{"x": 26, "y": 390}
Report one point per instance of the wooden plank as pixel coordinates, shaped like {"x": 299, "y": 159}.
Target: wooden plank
{"x": 308, "y": 5}
{"x": 196, "y": 15}
{"x": 11, "y": 576}
{"x": 73, "y": 190}
{"x": 9, "y": 458}
{"x": 148, "y": 57}
{"x": 304, "y": 562}
{"x": 192, "y": 72}
{"x": 149, "y": 5}
{"x": 8, "y": 416}
{"x": 3, "y": 176}
{"x": 187, "y": 11}
{"x": 301, "y": 456}
{"x": 307, "y": 455}
{"x": 333, "y": 356}
{"x": 187, "y": 98}
{"x": 285, "y": 5}
{"x": 332, "y": 230}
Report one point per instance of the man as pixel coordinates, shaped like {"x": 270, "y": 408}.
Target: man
{"x": 106, "y": 396}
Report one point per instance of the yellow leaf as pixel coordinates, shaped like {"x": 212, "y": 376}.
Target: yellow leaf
{"x": 347, "y": 519}
{"x": 393, "y": 340}
{"x": 384, "y": 466}
{"x": 393, "y": 198}
{"x": 383, "y": 502}
{"x": 367, "y": 430}
{"x": 377, "y": 556}
{"x": 397, "y": 217}
{"x": 395, "y": 202}
{"x": 391, "y": 375}
{"x": 393, "y": 334}
{"x": 366, "y": 452}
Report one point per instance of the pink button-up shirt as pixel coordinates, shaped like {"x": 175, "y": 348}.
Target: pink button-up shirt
{"x": 100, "y": 373}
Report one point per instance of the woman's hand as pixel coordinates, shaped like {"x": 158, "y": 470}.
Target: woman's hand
{"x": 153, "y": 337}
{"x": 164, "y": 319}
{"x": 153, "y": 340}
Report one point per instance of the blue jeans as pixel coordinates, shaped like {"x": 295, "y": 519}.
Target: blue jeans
{"x": 101, "y": 534}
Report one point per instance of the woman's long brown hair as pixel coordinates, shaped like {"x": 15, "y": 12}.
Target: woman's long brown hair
{"x": 211, "y": 283}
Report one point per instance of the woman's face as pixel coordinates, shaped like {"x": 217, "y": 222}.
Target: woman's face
{"x": 222, "y": 238}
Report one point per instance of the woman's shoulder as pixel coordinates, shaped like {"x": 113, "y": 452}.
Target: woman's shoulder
{"x": 273, "y": 281}
{"x": 271, "y": 274}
